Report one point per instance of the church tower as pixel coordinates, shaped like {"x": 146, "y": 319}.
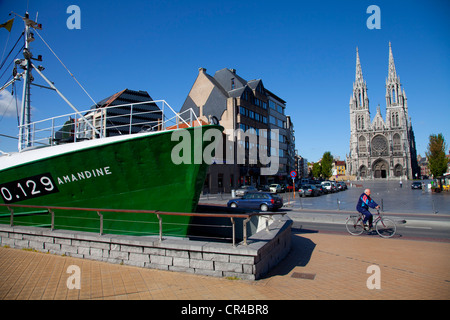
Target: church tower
{"x": 381, "y": 149}
{"x": 396, "y": 105}
{"x": 359, "y": 112}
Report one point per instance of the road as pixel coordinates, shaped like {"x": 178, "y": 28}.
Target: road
{"x": 404, "y": 231}
{"x": 427, "y": 214}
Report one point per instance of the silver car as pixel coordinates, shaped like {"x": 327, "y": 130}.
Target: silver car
{"x": 244, "y": 190}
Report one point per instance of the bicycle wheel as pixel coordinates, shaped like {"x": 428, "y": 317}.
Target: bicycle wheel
{"x": 354, "y": 225}
{"x": 386, "y": 228}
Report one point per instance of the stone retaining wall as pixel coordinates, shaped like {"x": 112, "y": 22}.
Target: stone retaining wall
{"x": 264, "y": 250}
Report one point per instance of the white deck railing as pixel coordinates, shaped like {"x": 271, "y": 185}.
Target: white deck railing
{"x": 108, "y": 121}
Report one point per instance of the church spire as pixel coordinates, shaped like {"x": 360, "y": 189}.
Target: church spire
{"x": 361, "y": 101}
{"x": 392, "y": 74}
{"x": 358, "y": 75}
{"x": 394, "y": 95}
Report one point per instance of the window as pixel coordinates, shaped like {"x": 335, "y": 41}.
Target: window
{"x": 280, "y": 109}
{"x": 244, "y": 111}
{"x": 360, "y": 123}
{"x": 393, "y": 96}
{"x": 362, "y": 144}
{"x": 272, "y": 105}
{"x": 259, "y": 89}
{"x": 395, "y": 119}
{"x": 232, "y": 84}
{"x": 380, "y": 146}
{"x": 272, "y": 120}
{"x": 397, "y": 143}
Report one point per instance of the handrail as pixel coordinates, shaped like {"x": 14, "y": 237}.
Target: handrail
{"x": 100, "y": 211}
{"x": 124, "y": 121}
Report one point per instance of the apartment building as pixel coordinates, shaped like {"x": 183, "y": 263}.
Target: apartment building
{"x": 250, "y": 107}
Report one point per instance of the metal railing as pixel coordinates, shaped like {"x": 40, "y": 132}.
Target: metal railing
{"x": 159, "y": 214}
{"x": 114, "y": 120}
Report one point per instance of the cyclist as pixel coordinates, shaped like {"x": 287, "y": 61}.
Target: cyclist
{"x": 364, "y": 203}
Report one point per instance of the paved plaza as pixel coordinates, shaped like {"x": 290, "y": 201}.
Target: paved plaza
{"x": 319, "y": 266}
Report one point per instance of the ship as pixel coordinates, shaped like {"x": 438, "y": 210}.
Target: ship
{"x": 108, "y": 157}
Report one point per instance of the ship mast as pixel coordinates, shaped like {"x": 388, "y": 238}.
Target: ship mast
{"x": 25, "y": 114}
{"x": 25, "y": 131}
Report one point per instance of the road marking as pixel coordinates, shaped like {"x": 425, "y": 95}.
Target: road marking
{"x": 418, "y": 227}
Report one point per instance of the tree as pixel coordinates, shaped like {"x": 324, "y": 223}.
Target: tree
{"x": 437, "y": 161}
{"x": 316, "y": 170}
{"x": 327, "y": 164}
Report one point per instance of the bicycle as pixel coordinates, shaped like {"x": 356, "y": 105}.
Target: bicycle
{"x": 385, "y": 227}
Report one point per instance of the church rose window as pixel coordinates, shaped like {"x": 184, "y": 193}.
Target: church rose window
{"x": 379, "y": 146}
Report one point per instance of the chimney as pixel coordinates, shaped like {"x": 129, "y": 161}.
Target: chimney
{"x": 201, "y": 70}
{"x": 233, "y": 70}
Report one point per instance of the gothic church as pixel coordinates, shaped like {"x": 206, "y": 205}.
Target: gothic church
{"x": 381, "y": 149}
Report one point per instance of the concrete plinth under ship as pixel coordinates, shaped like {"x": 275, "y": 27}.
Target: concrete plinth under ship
{"x": 263, "y": 251}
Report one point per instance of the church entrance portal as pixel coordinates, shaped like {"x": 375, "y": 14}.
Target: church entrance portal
{"x": 380, "y": 169}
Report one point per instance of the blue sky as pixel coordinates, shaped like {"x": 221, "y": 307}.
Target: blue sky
{"x": 304, "y": 51}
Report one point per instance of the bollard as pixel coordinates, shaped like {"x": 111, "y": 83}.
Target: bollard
{"x": 338, "y": 204}
{"x": 434, "y": 208}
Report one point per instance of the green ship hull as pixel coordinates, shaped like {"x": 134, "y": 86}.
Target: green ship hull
{"x": 134, "y": 172}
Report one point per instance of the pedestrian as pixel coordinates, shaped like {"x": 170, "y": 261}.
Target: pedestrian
{"x": 401, "y": 183}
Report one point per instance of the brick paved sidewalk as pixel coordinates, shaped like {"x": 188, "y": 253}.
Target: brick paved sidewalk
{"x": 319, "y": 266}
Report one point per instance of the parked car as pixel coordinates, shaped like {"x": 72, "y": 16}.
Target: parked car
{"x": 308, "y": 190}
{"x": 322, "y": 189}
{"x": 257, "y": 200}
{"x": 275, "y": 188}
{"x": 264, "y": 187}
{"x": 328, "y": 186}
{"x": 334, "y": 186}
{"x": 416, "y": 185}
{"x": 343, "y": 184}
{"x": 242, "y": 191}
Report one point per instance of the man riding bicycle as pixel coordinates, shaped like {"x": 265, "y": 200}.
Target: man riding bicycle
{"x": 364, "y": 202}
